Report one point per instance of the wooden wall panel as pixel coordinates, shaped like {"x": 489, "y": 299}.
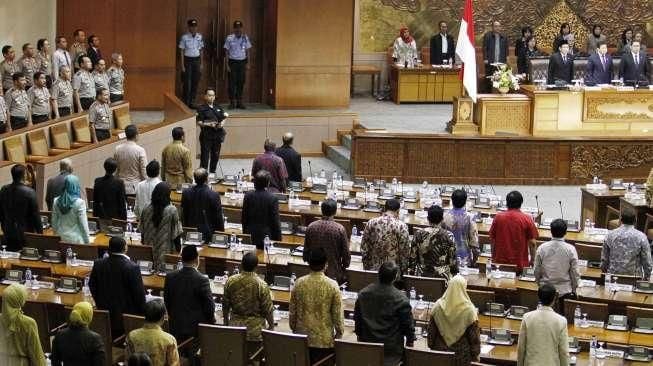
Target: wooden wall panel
{"x": 313, "y": 57}
{"x": 499, "y": 160}
{"x": 138, "y": 29}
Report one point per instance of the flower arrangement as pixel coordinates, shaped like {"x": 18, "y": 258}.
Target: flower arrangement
{"x": 504, "y": 80}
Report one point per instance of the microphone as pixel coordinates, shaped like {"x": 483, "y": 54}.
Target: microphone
{"x": 310, "y": 170}
{"x": 562, "y": 215}
{"x": 537, "y": 203}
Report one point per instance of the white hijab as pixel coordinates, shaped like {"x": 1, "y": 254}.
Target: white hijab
{"x": 454, "y": 311}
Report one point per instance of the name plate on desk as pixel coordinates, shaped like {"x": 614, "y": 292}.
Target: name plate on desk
{"x": 357, "y": 258}
{"x": 282, "y": 251}
{"x": 587, "y": 283}
{"x": 582, "y": 262}
{"x": 621, "y": 287}
{"x": 504, "y": 274}
{"x": 367, "y": 196}
{"x": 596, "y": 187}
{"x": 467, "y": 271}
{"x": 298, "y": 202}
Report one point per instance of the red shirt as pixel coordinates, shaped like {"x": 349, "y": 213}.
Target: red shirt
{"x": 510, "y": 233}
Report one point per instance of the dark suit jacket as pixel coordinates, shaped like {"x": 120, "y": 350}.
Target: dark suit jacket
{"x": 559, "y": 70}
{"x": 436, "y": 49}
{"x": 201, "y": 208}
{"x": 19, "y": 213}
{"x": 109, "y": 198}
{"x": 54, "y": 189}
{"x": 94, "y": 55}
{"x": 631, "y": 72}
{"x": 78, "y": 346}
{"x": 189, "y": 301}
{"x": 260, "y": 216}
{"x": 488, "y": 48}
{"x": 595, "y": 73}
{"x": 293, "y": 161}
{"x": 117, "y": 286}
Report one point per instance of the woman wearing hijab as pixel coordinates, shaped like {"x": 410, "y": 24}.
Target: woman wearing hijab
{"x": 404, "y": 48}
{"x": 159, "y": 224}
{"x": 77, "y": 345}
{"x": 454, "y": 324}
{"x": 69, "y": 219}
{"x": 19, "y": 335}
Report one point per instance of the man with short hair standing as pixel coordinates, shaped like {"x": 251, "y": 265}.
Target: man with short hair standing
{"x": 100, "y": 117}
{"x": 270, "y": 162}
{"x": 176, "y": 162}
{"x": 386, "y": 238}
{"x": 55, "y": 184}
{"x": 291, "y": 158}
{"x": 236, "y": 45}
{"x": 61, "y": 57}
{"x": 132, "y": 159}
{"x": 626, "y": 250}
{"x": 191, "y": 45}
{"x": 210, "y": 119}
{"x": 28, "y": 63}
{"x": 17, "y": 102}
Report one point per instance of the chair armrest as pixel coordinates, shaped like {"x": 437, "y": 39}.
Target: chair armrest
{"x": 324, "y": 360}
{"x": 56, "y": 329}
{"x": 185, "y": 343}
{"x": 256, "y": 354}
{"x": 120, "y": 342}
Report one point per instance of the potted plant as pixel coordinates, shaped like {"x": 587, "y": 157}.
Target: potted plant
{"x": 504, "y": 80}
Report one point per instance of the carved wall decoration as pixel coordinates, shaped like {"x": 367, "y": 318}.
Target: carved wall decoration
{"x": 549, "y": 29}
{"x": 601, "y": 109}
{"x": 598, "y": 160}
{"x": 381, "y": 19}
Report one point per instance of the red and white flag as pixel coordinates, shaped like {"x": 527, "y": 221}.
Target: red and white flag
{"x": 466, "y": 50}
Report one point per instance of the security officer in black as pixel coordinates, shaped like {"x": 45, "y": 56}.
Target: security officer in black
{"x": 210, "y": 118}
{"x": 191, "y": 45}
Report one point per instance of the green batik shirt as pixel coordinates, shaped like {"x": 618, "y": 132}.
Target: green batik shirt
{"x": 249, "y": 301}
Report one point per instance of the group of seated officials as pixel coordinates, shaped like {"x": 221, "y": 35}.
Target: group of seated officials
{"x": 382, "y": 312}
{"x": 42, "y": 85}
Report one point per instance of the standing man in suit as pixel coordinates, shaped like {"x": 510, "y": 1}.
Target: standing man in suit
{"x": 561, "y": 65}
{"x": 55, "y": 184}
{"x": 634, "y": 66}
{"x": 201, "y": 207}
{"x": 543, "y": 333}
{"x": 117, "y": 286}
{"x": 599, "y": 66}
{"x": 132, "y": 160}
{"x": 93, "y": 51}
{"x": 188, "y": 298}
{"x": 109, "y": 197}
{"x": 442, "y": 46}
{"x": 260, "y": 216}
{"x": 495, "y": 50}
{"x": 291, "y": 158}
{"x": 210, "y": 119}
{"x": 19, "y": 211}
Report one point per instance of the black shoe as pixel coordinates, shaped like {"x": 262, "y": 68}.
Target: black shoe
{"x": 232, "y": 105}
{"x": 240, "y": 105}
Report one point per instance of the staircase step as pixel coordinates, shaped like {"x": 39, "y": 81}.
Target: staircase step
{"x": 341, "y": 156}
{"x": 345, "y": 141}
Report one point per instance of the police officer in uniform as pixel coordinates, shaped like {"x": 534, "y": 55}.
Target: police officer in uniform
{"x": 28, "y": 63}
{"x": 62, "y": 93}
{"x": 191, "y": 45}
{"x": 39, "y": 97}
{"x": 100, "y": 117}
{"x": 210, "y": 118}
{"x": 83, "y": 84}
{"x": 236, "y": 46}
{"x": 18, "y": 103}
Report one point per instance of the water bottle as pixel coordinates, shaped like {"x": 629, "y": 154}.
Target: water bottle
{"x": 394, "y": 185}
{"x": 86, "y": 289}
{"x": 129, "y": 228}
{"x": 74, "y": 261}
{"x": 236, "y": 270}
{"x": 267, "y": 244}
{"x": 180, "y": 265}
{"x": 232, "y": 239}
{"x": 69, "y": 256}
{"x": 488, "y": 268}
{"x": 413, "y": 294}
{"x": 593, "y": 345}
{"x": 539, "y": 305}
{"x": 595, "y": 180}
{"x": 322, "y": 174}
{"x": 28, "y": 278}
{"x": 334, "y": 177}
{"x": 105, "y": 255}
{"x": 354, "y": 231}
{"x": 577, "y": 316}
{"x": 608, "y": 282}
{"x": 587, "y": 225}
{"x": 293, "y": 278}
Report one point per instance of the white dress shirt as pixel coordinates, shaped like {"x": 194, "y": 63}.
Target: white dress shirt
{"x": 131, "y": 164}
{"x": 445, "y": 45}
{"x": 556, "y": 263}
{"x": 144, "y": 194}
{"x": 61, "y": 58}
{"x": 543, "y": 339}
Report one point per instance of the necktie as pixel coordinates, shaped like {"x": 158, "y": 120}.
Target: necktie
{"x": 637, "y": 60}
{"x": 564, "y": 59}
{"x": 603, "y": 61}
{"x": 67, "y": 60}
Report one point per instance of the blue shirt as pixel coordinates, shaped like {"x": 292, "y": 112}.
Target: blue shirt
{"x": 191, "y": 44}
{"x": 237, "y": 46}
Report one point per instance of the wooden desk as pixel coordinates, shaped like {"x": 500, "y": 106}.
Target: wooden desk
{"x": 606, "y": 112}
{"x": 492, "y": 111}
{"x": 594, "y": 205}
{"x": 424, "y": 84}
{"x": 640, "y": 207}
{"x": 371, "y": 70}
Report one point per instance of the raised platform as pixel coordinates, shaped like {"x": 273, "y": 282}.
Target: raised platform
{"x": 444, "y": 158}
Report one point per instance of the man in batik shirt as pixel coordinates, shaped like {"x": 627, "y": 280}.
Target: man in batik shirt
{"x": 272, "y": 163}
{"x": 626, "y": 250}
{"x": 434, "y": 248}
{"x": 386, "y": 238}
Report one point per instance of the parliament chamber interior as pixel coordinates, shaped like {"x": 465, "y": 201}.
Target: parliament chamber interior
{"x": 342, "y": 182}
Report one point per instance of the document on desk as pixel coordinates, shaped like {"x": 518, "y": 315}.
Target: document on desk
{"x": 486, "y": 348}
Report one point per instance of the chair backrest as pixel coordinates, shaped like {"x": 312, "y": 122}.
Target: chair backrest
{"x": 42, "y": 242}
{"x": 40, "y": 312}
{"x": 358, "y": 353}
{"x": 538, "y": 68}
{"x": 59, "y": 136}
{"x": 299, "y": 269}
{"x": 38, "y": 144}
{"x": 285, "y": 349}
{"x": 588, "y": 252}
{"x": 101, "y": 324}
{"x": 580, "y": 68}
{"x": 431, "y": 288}
{"x": 415, "y": 357}
{"x": 38, "y": 269}
{"x": 233, "y": 215}
{"x": 481, "y": 298}
{"x": 633, "y": 313}
{"x": 612, "y": 217}
{"x": 139, "y": 252}
{"x": 358, "y": 279}
{"x": 83, "y": 251}
{"x": 81, "y": 129}
{"x": 14, "y": 149}
{"x": 122, "y": 117}
{"x": 595, "y": 311}
{"x": 89, "y": 194}
{"x": 528, "y": 297}
{"x": 230, "y": 341}
{"x": 132, "y": 322}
